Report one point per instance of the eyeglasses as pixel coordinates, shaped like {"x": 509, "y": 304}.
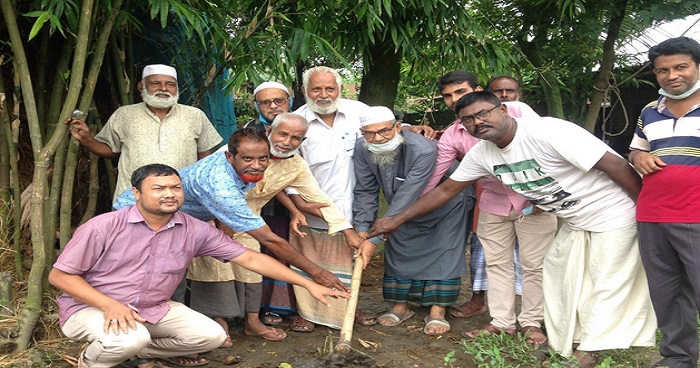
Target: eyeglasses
{"x": 482, "y": 115}
{"x": 386, "y": 133}
{"x": 277, "y": 101}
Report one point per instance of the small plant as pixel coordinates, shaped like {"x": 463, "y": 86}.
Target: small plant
{"x": 449, "y": 359}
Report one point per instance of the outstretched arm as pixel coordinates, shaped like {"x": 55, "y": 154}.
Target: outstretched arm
{"x": 268, "y": 266}
{"x": 429, "y": 202}
{"x": 284, "y": 250}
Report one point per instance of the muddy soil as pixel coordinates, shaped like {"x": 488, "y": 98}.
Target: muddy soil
{"x": 402, "y": 346}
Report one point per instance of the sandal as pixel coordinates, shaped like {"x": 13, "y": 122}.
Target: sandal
{"x": 362, "y": 319}
{"x": 187, "y": 361}
{"x": 468, "y": 309}
{"x": 533, "y": 335}
{"x": 302, "y": 325}
{"x": 394, "y": 319}
{"x": 435, "y": 322}
{"x": 488, "y": 329}
{"x": 271, "y": 318}
{"x": 273, "y": 334}
{"x": 227, "y": 343}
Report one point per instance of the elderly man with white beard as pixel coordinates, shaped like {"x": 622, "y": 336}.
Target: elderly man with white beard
{"x": 157, "y": 130}
{"x": 424, "y": 258}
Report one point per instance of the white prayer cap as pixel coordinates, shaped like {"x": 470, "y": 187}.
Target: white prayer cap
{"x": 376, "y": 114}
{"x": 266, "y": 85}
{"x": 159, "y": 69}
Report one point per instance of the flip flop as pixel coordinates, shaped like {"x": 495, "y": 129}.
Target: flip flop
{"x": 362, "y": 319}
{"x": 395, "y": 319}
{"x": 271, "y": 318}
{"x": 134, "y": 363}
{"x": 487, "y": 330}
{"x": 274, "y": 334}
{"x": 466, "y": 310}
{"x": 532, "y": 335}
{"x": 431, "y": 322}
{"x": 199, "y": 361}
{"x": 302, "y": 325}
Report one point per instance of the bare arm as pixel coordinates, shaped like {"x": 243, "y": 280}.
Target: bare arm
{"x": 283, "y": 249}
{"x": 268, "y": 266}
{"x": 429, "y": 202}
{"x": 81, "y": 132}
{"x": 645, "y": 162}
{"x": 621, "y": 173}
{"x": 80, "y": 290}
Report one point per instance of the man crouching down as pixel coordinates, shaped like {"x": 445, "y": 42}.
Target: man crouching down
{"x": 120, "y": 269}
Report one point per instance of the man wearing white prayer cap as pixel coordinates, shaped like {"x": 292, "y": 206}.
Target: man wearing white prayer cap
{"x": 271, "y": 99}
{"x": 157, "y": 130}
{"x": 424, "y": 259}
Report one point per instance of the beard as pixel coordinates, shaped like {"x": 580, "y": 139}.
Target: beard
{"x": 156, "y": 101}
{"x": 279, "y": 154}
{"x": 251, "y": 178}
{"x": 323, "y": 110}
{"x": 386, "y": 158}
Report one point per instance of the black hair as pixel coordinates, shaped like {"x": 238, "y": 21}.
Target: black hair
{"x": 675, "y": 46}
{"x": 457, "y": 77}
{"x": 150, "y": 170}
{"x": 246, "y": 134}
{"x": 488, "y": 85}
{"x": 476, "y": 96}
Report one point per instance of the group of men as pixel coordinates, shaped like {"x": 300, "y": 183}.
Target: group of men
{"x": 590, "y": 288}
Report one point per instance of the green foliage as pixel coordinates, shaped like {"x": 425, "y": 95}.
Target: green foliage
{"x": 504, "y": 351}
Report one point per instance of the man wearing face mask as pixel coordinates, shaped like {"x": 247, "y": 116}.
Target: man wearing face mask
{"x": 271, "y": 99}
{"x": 424, "y": 258}
{"x": 157, "y": 130}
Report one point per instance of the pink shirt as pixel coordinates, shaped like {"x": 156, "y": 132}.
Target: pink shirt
{"x": 455, "y": 141}
{"x": 122, "y": 257}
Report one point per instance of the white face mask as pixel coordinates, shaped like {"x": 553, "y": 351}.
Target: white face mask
{"x": 387, "y": 146}
{"x": 683, "y": 95}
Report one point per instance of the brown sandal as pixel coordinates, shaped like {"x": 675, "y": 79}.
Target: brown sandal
{"x": 533, "y": 335}
{"x": 488, "y": 329}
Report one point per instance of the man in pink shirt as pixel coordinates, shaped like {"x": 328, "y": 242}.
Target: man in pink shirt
{"x": 506, "y": 219}
{"x": 120, "y": 269}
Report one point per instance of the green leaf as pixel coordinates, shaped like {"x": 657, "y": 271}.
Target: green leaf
{"x": 38, "y": 24}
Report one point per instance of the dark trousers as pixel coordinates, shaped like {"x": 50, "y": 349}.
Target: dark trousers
{"x": 671, "y": 257}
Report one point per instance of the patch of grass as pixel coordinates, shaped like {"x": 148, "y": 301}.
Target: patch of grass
{"x": 504, "y": 351}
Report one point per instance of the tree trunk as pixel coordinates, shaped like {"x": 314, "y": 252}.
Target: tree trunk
{"x": 602, "y": 80}
{"x": 550, "y": 86}
{"x": 13, "y": 201}
{"x": 42, "y": 158}
{"x": 380, "y": 77}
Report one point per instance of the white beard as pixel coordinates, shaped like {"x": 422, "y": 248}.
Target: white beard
{"x": 323, "y": 110}
{"x": 159, "y": 102}
{"x": 280, "y": 154}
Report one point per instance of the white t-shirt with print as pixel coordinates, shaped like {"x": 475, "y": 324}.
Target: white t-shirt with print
{"x": 549, "y": 162}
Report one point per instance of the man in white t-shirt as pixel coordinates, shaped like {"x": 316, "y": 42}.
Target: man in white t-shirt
{"x": 595, "y": 289}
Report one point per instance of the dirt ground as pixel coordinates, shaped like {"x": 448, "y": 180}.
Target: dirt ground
{"x": 402, "y": 346}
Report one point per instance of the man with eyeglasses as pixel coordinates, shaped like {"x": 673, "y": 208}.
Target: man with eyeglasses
{"x": 424, "y": 259}
{"x": 507, "y": 225}
{"x": 270, "y": 99}
{"x": 157, "y": 130}
{"x": 595, "y": 289}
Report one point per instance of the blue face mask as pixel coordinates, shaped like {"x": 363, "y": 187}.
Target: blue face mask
{"x": 683, "y": 95}
{"x": 262, "y": 118}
